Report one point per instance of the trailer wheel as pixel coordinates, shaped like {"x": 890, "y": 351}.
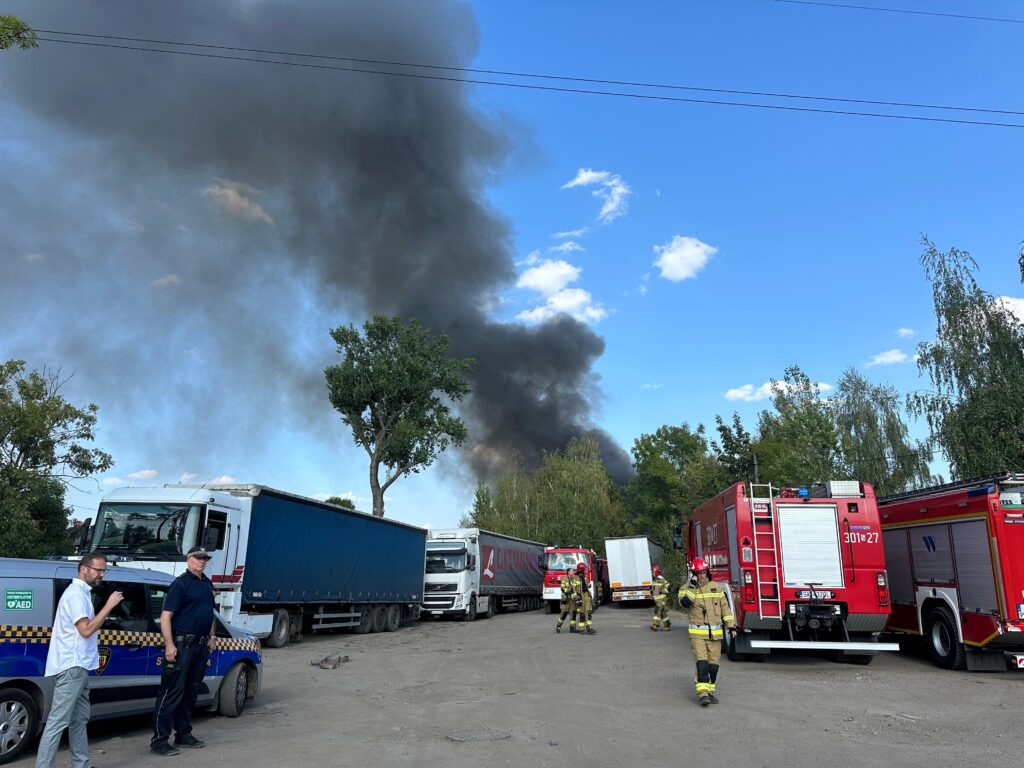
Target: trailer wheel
{"x": 19, "y": 720}
{"x": 944, "y": 640}
{"x": 380, "y": 618}
{"x": 280, "y": 631}
{"x": 470, "y": 613}
{"x": 234, "y": 689}
{"x": 365, "y": 626}
{"x": 394, "y": 618}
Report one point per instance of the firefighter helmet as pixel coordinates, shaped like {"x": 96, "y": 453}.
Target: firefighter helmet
{"x": 656, "y": 570}
{"x": 581, "y": 567}
{"x": 699, "y": 564}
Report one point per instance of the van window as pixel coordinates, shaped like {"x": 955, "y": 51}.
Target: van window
{"x": 132, "y": 615}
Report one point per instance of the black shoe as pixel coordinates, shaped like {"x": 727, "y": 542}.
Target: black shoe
{"x": 591, "y": 631}
{"x": 164, "y": 749}
{"x": 705, "y": 700}
{"x": 712, "y": 698}
{"x": 654, "y": 629}
{"x": 189, "y": 741}
{"x": 558, "y": 629}
{"x": 572, "y": 629}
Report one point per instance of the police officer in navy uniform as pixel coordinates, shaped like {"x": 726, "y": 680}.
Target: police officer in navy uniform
{"x": 189, "y": 630}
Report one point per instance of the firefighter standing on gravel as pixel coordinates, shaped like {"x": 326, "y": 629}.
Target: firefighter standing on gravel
{"x": 707, "y": 604}
{"x": 583, "y": 602}
{"x": 568, "y": 607}
{"x": 659, "y": 591}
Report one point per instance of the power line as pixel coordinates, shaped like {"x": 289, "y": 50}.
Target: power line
{"x": 901, "y": 10}
{"x": 548, "y": 88}
{"x": 532, "y": 75}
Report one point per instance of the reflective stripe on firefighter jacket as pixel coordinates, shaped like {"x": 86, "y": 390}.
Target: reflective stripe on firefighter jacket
{"x": 707, "y": 608}
{"x": 567, "y": 588}
{"x": 659, "y": 590}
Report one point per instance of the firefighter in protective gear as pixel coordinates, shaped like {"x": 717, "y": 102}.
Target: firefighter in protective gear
{"x": 581, "y": 596}
{"x": 707, "y": 604}
{"x": 659, "y": 591}
{"x": 567, "y": 606}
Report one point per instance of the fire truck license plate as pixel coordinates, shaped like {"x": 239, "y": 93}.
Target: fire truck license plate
{"x": 819, "y": 594}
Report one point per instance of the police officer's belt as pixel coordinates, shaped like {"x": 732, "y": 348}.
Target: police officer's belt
{"x": 190, "y": 639}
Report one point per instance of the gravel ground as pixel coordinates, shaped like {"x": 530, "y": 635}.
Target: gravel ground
{"x": 508, "y": 691}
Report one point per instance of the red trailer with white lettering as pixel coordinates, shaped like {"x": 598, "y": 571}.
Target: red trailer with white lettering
{"x": 956, "y": 561}
{"x": 805, "y": 567}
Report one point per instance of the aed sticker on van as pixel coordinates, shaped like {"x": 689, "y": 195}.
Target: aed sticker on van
{"x": 17, "y": 599}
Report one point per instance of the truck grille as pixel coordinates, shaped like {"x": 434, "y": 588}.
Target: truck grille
{"x": 438, "y": 588}
{"x": 438, "y": 602}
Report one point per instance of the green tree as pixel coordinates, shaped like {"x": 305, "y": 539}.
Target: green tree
{"x": 734, "y": 449}
{"x": 873, "y": 440}
{"x": 15, "y": 32}
{"x": 798, "y": 443}
{"x": 340, "y": 501}
{"x": 42, "y": 449}
{"x": 976, "y": 366}
{"x": 393, "y": 389}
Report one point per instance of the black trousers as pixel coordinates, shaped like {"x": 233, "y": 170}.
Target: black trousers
{"x": 179, "y": 687}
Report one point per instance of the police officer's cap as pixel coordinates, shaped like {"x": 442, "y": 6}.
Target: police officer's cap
{"x": 199, "y": 552}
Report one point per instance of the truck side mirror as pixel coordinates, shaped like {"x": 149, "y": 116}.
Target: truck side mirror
{"x": 83, "y": 536}
{"x": 470, "y": 562}
{"x": 211, "y": 540}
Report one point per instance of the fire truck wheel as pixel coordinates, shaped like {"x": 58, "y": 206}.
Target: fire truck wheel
{"x": 281, "y": 629}
{"x": 944, "y": 640}
{"x": 552, "y": 606}
{"x": 729, "y": 649}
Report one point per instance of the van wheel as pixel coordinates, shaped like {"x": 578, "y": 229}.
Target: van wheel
{"x": 944, "y": 640}
{"x": 280, "y": 631}
{"x": 393, "y": 618}
{"x": 234, "y": 689}
{"x": 19, "y": 720}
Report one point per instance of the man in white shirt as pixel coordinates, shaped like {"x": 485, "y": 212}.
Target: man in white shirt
{"x": 73, "y": 653}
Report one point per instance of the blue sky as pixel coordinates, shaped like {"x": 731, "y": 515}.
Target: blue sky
{"x": 709, "y": 246}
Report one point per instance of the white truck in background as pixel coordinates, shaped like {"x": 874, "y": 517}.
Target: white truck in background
{"x": 629, "y": 566}
{"x": 470, "y": 572}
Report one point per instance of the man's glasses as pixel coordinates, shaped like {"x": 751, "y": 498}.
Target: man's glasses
{"x": 98, "y": 570}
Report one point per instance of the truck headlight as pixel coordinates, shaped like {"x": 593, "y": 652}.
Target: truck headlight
{"x": 458, "y": 601}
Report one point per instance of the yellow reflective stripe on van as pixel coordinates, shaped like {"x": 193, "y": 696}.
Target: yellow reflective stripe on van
{"x": 10, "y": 633}
{"x": 15, "y": 633}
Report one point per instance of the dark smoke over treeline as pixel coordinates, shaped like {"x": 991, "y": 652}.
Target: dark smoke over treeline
{"x": 192, "y": 226}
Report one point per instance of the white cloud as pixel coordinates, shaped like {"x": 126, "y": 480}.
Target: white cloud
{"x": 232, "y": 197}
{"x": 223, "y": 479}
{"x": 610, "y": 188}
{"x": 567, "y": 247}
{"x": 187, "y": 477}
{"x": 651, "y": 386}
{"x": 1014, "y": 306}
{"x": 549, "y": 277}
{"x": 166, "y": 280}
{"x": 904, "y": 333}
{"x": 574, "y": 302}
{"x": 642, "y": 290}
{"x": 889, "y": 357}
{"x": 112, "y": 481}
{"x": 531, "y": 258}
{"x": 683, "y": 257}
{"x": 571, "y": 232}
{"x": 143, "y": 474}
{"x": 749, "y": 394}
{"x": 33, "y": 258}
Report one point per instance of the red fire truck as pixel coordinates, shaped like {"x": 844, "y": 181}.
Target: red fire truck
{"x": 557, "y": 559}
{"x": 805, "y": 567}
{"x": 956, "y": 559}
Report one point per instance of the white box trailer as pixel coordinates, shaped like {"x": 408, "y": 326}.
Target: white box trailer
{"x": 630, "y": 559}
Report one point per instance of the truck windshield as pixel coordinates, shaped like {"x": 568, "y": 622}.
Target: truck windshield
{"x": 446, "y": 562}
{"x": 154, "y": 530}
{"x": 559, "y": 561}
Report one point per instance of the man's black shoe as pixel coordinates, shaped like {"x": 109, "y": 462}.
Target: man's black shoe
{"x": 712, "y": 698}
{"x": 705, "y": 700}
{"x": 164, "y": 749}
{"x": 189, "y": 741}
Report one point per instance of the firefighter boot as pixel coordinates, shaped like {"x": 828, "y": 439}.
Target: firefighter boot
{"x": 591, "y": 631}
{"x": 558, "y": 628}
{"x": 572, "y": 629}
{"x": 654, "y": 628}
{"x": 668, "y": 625}
{"x": 712, "y": 699}
{"x": 705, "y": 700}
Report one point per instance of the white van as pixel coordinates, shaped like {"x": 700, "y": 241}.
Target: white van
{"x": 131, "y": 649}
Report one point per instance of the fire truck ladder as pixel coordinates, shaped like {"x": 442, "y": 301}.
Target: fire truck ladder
{"x": 766, "y": 559}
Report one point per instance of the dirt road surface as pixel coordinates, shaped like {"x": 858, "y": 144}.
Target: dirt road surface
{"x": 508, "y": 691}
